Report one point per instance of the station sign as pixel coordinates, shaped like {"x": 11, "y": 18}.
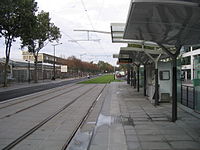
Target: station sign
{"x": 125, "y": 61}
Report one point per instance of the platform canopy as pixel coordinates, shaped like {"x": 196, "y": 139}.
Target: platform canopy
{"x": 170, "y": 22}
{"x": 117, "y": 33}
{"x": 142, "y": 55}
{"x": 142, "y": 50}
{"x": 137, "y": 57}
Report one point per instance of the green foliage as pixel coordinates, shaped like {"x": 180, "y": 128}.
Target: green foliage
{"x": 15, "y": 16}
{"x": 41, "y": 31}
{"x": 135, "y": 45}
{"x": 105, "y": 66}
{"x": 101, "y": 80}
{"x": 149, "y": 47}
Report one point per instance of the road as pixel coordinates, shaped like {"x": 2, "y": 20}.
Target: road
{"x": 29, "y": 90}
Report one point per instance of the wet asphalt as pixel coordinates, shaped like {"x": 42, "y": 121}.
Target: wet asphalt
{"x": 33, "y": 89}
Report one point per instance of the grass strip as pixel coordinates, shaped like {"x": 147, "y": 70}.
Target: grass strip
{"x": 101, "y": 80}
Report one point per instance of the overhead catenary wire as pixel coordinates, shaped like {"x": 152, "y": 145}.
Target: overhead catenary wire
{"x": 90, "y": 21}
{"x": 73, "y": 39}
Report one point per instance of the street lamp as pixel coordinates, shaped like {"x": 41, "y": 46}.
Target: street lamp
{"x": 29, "y": 71}
{"x": 54, "y": 60}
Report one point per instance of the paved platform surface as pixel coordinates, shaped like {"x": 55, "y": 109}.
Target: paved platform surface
{"x": 129, "y": 121}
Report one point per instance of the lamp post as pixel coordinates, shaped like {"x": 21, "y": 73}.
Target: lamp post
{"x": 29, "y": 73}
{"x": 54, "y": 60}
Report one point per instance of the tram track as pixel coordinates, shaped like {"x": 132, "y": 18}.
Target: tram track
{"x": 82, "y": 121}
{"x": 43, "y": 101}
{"x": 37, "y": 96}
{"x": 50, "y": 117}
{"x": 6, "y": 95}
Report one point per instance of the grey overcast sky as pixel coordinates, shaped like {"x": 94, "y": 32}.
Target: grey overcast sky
{"x": 81, "y": 14}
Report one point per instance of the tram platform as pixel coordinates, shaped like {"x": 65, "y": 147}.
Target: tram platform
{"x": 129, "y": 121}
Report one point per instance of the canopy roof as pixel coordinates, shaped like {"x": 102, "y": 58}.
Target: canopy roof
{"x": 136, "y": 56}
{"x": 170, "y": 22}
{"x": 117, "y": 34}
{"x": 150, "y": 51}
{"x": 141, "y": 55}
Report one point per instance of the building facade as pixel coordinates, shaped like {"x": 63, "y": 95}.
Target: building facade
{"x": 189, "y": 57}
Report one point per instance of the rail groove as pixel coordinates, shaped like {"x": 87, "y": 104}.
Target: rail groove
{"x": 40, "y": 124}
{"x": 21, "y": 110}
{"x": 27, "y": 99}
{"x": 83, "y": 120}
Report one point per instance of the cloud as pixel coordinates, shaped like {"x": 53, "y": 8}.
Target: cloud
{"x": 82, "y": 14}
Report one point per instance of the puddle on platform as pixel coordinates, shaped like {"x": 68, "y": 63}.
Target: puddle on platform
{"x": 80, "y": 141}
{"x": 118, "y": 93}
{"x": 103, "y": 120}
{"x": 108, "y": 120}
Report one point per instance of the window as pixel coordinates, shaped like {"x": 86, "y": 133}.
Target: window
{"x": 186, "y": 61}
{"x": 195, "y": 47}
{"x": 186, "y": 49}
{"x": 164, "y": 75}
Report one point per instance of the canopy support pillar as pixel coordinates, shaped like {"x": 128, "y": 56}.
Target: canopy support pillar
{"x": 174, "y": 78}
{"x": 155, "y": 60}
{"x": 128, "y": 76}
{"x": 138, "y": 77}
{"x": 134, "y": 76}
{"x": 145, "y": 79}
{"x": 131, "y": 76}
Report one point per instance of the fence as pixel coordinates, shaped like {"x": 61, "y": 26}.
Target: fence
{"x": 188, "y": 96}
{"x": 22, "y": 72}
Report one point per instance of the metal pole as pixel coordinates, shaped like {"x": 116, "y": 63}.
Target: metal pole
{"x": 128, "y": 76}
{"x": 174, "y": 90}
{"x": 114, "y": 73}
{"x": 54, "y": 65}
{"x": 138, "y": 78}
{"x": 54, "y": 60}
{"x": 174, "y": 78}
{"x": 134, "y": 74}
{"x": 131, "y": 76}
{"x": 29, "y": 78}
{"x": 156, "y": 84}
{"x": 145, "y": 79}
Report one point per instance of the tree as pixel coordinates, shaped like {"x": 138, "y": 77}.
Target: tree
{"x": 105, "y": 67}
{"x": 39, "y": 34}
{"x": 15, "y": 15}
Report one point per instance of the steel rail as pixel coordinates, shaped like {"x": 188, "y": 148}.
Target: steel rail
{"x": 48, "y": 99}
{"x": 82, "y": 121}
{"x": 27, "y": 99}
{"x": 40, "y": 124}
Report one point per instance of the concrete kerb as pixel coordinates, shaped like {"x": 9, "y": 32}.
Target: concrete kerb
{"x": 13, "y": 86}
